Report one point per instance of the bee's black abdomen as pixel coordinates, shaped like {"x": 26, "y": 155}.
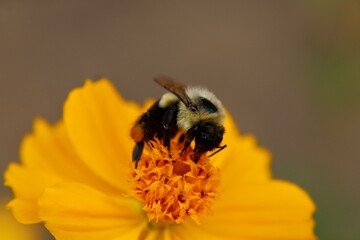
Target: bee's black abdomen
{"x": 156, "y": 122}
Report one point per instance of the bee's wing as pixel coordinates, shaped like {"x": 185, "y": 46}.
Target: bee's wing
{"x": 176, "y": 88}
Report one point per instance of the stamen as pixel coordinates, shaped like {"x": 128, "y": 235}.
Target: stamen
{"x": 173, "y": 189}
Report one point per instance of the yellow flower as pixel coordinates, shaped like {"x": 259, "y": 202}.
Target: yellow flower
{"x": 77, "y": 177}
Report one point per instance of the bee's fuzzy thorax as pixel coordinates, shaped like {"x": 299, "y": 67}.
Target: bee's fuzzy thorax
{"x": 186, "y": 118}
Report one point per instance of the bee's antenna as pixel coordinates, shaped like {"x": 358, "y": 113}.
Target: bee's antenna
{"x": 220, "y": 148}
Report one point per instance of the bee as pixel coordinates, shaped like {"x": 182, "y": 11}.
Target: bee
{"x": 193, "y": 110}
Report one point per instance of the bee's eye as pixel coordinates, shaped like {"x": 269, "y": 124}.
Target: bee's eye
{"x": 207, "y": 105}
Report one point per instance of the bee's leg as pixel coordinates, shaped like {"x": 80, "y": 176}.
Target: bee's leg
{"x": 167, "y": 137}
{"x": 138, "y": 149}
{"x": 189, "y": 137}
{"x": 182, "y": 138}
{"x": 219, "y": 149}
{"x": 197, "y": 155}
{"x": 168, "y": 122}
{"x": 187, "y": 144}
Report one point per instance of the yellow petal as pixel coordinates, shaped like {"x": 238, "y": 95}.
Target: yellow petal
{"x": 48, "y": 158}
{"x": 152, "y": 232}
{"x": 107, "y": 234}
{"x": 246, "y": 163}
{"x": 231, "y": 135}
{"x": 98, "y": 122}
{"x": 77, "y": 211}
{"x": 24, "y": 211}
{"x": 273, "y": 210}
{"x": 49, "y": 150}
{"x": 27, "y": 186}
{"x": 11, "y": 229}
{"x": 243, "y": 161}
{"x": 190, "y": 230}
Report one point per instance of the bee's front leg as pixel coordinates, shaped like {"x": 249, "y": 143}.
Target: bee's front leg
{"x": 189, "y": 137}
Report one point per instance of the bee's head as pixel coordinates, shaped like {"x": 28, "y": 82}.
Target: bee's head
{"x": 209, "y": 136}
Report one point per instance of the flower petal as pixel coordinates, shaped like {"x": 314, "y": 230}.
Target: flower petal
{"x": 190, "y": 230}
{"x": 98, "y": 122}
{"x": 27, "y": 186}
{"x": 10, "y": 229}
{"x": 274, "y": 210}
{"x": 243, "y": 161}
{"x": 48, "y": 158}
{"x": 109, "y": 234}
{"x": 24, "y": 211}
{"x": 246, "y": 163}
{"x": 231, "y": 135}
{"x": 77, "y": 211}
{"x": 49, "y": 150}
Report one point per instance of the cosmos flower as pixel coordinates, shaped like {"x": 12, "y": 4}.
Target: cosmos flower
{"x": 77, "y": 177}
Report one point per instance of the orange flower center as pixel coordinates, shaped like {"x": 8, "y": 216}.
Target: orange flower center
{"x": 174, "y": 187}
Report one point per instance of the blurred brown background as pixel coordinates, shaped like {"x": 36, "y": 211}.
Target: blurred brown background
{"x": 289, "y": 73}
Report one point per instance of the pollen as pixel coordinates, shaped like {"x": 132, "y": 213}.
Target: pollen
{"x": 172, "y": 186}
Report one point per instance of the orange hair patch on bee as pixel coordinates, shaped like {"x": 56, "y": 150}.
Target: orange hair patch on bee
{"x": 137, "y": 133}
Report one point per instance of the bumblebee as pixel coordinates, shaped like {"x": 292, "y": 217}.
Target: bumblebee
{"x": 193, "y": 110}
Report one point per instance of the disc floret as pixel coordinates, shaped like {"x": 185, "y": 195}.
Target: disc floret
{"x": 174, "y": 187}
